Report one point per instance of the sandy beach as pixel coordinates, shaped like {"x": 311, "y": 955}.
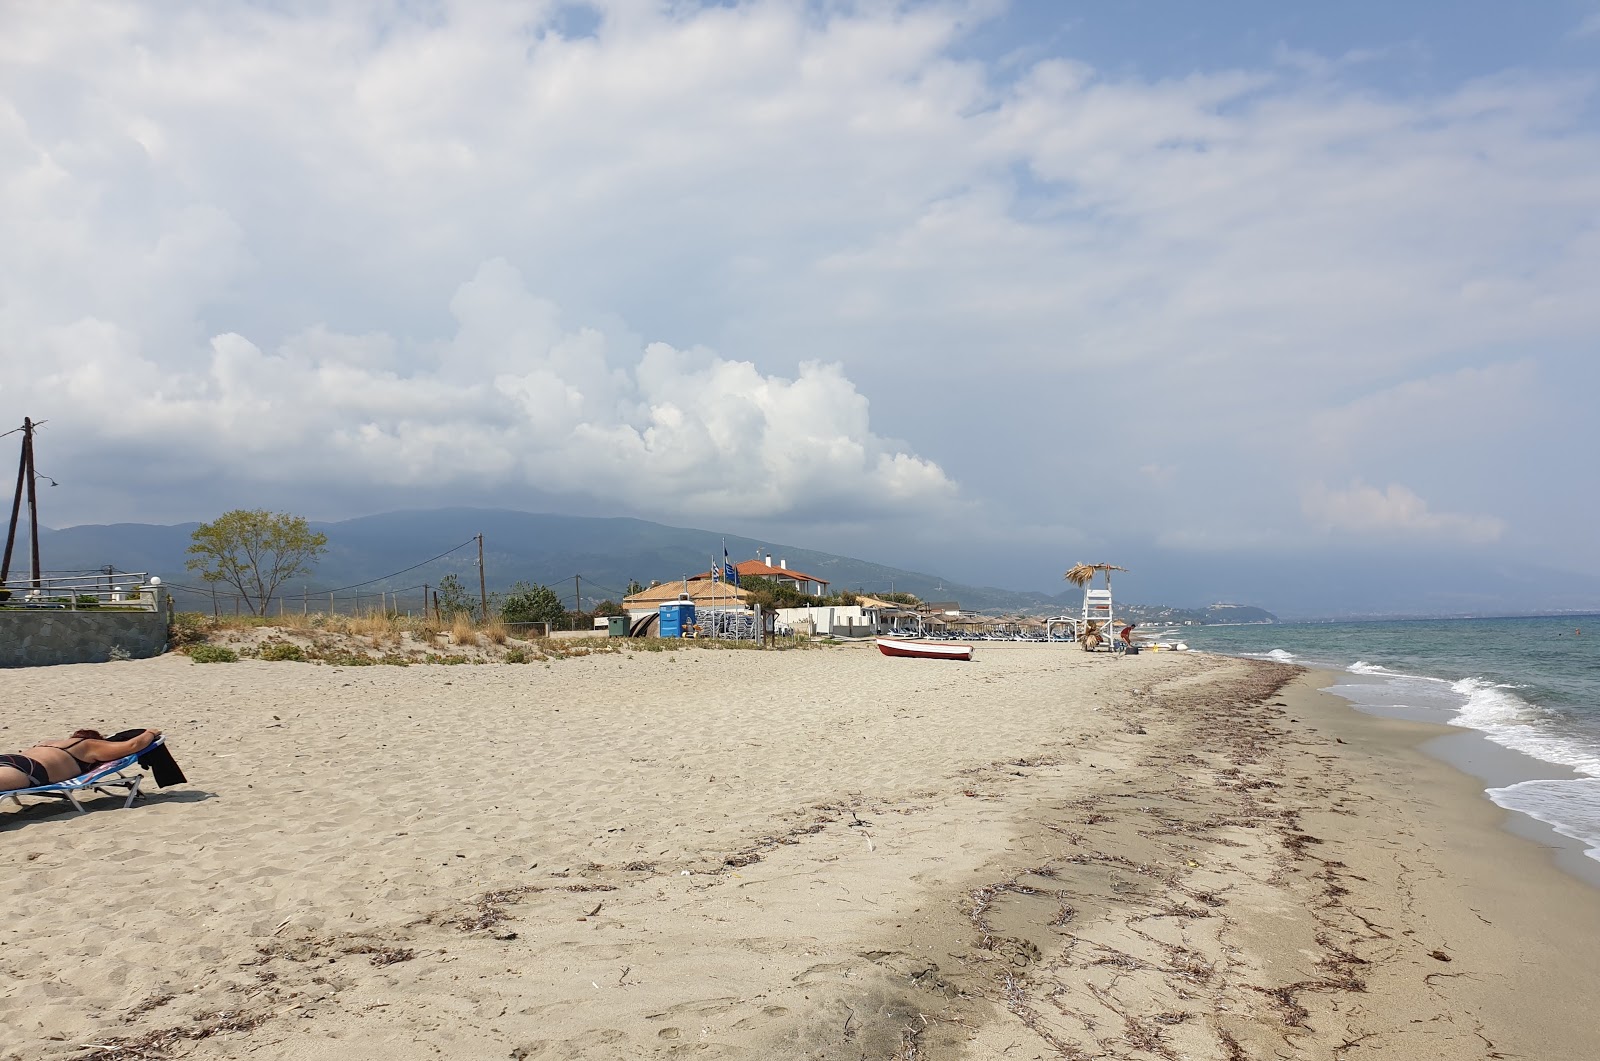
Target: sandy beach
{"x": 807, "y": 853}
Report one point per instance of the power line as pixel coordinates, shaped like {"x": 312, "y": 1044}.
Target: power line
{"x": 357, "y": 585}
{"x": 340, "y": 589}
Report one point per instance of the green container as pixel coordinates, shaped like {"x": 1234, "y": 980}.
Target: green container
{"x": 616, "y": 626}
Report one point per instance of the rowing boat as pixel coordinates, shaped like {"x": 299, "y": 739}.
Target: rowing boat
{"x": 894, "y": 646}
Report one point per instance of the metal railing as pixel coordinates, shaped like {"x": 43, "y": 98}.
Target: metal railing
{"x": 123, "y": 591}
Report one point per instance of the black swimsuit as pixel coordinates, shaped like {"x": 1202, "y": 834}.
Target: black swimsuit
{"x": 83, "y": 767}
{"x": 38, "y": 773}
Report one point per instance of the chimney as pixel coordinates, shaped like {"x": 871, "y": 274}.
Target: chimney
{"x": 769, "y": 559}
{"x": 784, "y": 564}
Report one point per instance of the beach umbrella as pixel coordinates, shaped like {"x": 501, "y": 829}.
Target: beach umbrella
{"x": 1081, "y": 575}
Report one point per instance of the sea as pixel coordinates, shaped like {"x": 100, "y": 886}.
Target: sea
{"x": 1531, "y": 684}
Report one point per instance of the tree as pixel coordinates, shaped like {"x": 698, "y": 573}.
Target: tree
{"x": 453, "y": 599}
{"x": 532, "y": 604}
{"x": 634, "y": 586}
{"x": 255, "y": 552}
{"x": 770, "y": 593}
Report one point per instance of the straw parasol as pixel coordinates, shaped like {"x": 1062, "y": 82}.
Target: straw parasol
{"x": 1081, "y": 575}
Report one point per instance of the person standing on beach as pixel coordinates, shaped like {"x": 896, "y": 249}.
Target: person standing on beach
{"x": 1127, "y": 634}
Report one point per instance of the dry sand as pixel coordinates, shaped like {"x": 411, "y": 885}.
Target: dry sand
{"x": 807, "y": 854}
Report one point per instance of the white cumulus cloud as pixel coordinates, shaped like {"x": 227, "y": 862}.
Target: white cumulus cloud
{"x": 513, "y": 398}
{"x": 1393, "y": 511}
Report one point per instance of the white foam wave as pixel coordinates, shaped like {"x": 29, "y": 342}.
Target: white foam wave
{"x": 1281, "y": 655}
{"x": 1507, "y": 719}
{"x": 1571, "y": 808}
{"x": 1363, "y": 667}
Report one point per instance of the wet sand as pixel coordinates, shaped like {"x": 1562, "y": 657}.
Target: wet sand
{"x": 810, "y": 854}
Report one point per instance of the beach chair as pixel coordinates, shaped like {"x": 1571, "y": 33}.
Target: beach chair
{"x": 108, "y": 779}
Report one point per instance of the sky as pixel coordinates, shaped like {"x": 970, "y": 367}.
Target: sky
{"x": 978, "y": 287}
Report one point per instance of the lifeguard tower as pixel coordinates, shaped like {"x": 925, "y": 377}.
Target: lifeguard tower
{"x": 1095, "y": 627}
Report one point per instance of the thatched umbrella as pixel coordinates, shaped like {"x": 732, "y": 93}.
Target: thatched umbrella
{"x": 1082, "y": 574}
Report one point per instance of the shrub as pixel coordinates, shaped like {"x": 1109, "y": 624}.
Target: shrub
{"x": 213, "y": 654}
{"x": 348, "y": 659}
{"x": 283, "y": 651}
{"x": 516, "y": 655}
{"x": 532, "y": 604}
{"x": 461, "y": 630}
{"x": 188, "y": 628}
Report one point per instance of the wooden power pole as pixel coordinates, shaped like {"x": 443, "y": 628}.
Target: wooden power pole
{"x": 25, "y": 477}
{"x": 483, "y": 584}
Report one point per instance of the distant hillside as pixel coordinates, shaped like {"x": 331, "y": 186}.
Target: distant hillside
{"x": 389, "y": 551}
{"x": 605, "y": 553}
{"x": 1232, "y": 614}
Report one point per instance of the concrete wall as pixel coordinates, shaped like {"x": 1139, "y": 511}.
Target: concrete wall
{"x": 39, "y": 637}
{"x": 844, "y": 620}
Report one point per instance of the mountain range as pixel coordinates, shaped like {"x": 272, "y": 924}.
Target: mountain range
{"x": 593, "y": 557}
{"x": 400, "y": 552}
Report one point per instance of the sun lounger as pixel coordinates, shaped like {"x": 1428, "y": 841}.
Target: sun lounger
{"x": 108, "y": 779}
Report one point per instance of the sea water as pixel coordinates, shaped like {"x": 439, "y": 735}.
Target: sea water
{"x": 1530, "y": 684}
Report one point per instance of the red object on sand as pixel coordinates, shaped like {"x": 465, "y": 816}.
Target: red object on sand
{"x": 894, "y": 646}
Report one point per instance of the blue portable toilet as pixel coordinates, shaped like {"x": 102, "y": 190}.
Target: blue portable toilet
{"x": 676, "y": 617}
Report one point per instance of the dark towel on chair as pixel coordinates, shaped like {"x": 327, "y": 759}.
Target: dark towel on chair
{"x": 158, "y": 761}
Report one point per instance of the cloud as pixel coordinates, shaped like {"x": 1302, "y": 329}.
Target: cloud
{"x": 1394, "y": 512}
{"x": 513, "y": 398}
{"x": 1451, "y": 408}
{"x": 244, "y": 249}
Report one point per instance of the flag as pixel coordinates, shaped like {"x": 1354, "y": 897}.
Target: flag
{"x": 730, "y": 574}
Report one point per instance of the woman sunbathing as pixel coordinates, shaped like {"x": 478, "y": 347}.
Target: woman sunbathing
{"x": 58, "y": 760}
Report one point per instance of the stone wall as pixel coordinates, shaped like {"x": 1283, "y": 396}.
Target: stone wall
{"x": 39, "y": 637}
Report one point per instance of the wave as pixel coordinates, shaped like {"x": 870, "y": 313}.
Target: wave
{"x": 1507, "y": 719}
{"x": 1281, "y": 655}
{"x": 1363, "y": 667}
{"x": 1571, "y": 808}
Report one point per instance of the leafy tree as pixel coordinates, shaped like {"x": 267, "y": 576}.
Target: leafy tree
{"x": 634, "y": 586}
{"x": 608, "y": 607}
{"x": 532, "y": 604}
{"x": 255, "y": 551}
{"x": 453, "y": 599}
{"x": 770, "y": 593}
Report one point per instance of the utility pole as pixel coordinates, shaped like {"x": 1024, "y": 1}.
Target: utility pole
{"x": 483, "y": 585}
{"x": 577, "y": 598}
{"x": 25, "y": 475}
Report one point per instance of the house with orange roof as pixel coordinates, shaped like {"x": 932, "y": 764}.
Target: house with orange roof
{"x": 703, "y": 593}
{"x": 810, "y": 585}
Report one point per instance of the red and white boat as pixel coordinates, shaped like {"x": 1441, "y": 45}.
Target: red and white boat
{"x": 894, "y": 646}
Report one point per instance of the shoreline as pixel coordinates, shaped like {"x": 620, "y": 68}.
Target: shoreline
{"x": 1493, "y": 877}
{"x": 1477, "y": 755}
{"x": 822, "y": 854}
